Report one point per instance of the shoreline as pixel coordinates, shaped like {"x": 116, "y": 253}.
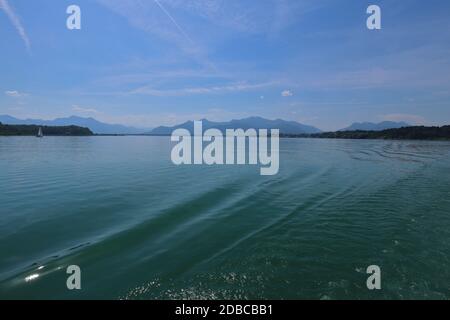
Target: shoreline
{"x": 413, "y": 133}
{"x": 281, "y": 137}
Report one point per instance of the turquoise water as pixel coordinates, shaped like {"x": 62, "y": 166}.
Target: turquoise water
{"x": 142, "y": 228}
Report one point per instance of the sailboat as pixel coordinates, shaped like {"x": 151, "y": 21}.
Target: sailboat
{"x": 40, "y": 134}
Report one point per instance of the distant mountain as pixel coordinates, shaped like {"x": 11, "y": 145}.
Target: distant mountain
{"x": 369, "y": 126}
{"x": 94, "y": 125}
{"x": 286, "y": 127}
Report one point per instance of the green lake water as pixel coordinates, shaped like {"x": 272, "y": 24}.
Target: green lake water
{"x": 140, "y": 227}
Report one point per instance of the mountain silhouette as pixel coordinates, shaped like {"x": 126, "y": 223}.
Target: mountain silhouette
{"x": 94, "y": 125}
{"x": 285, "y": 127}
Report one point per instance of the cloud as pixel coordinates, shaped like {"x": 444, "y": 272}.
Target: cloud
{"x": 237, "y": 87}
{"x": 178, "y": 21}
{"x": 154, "y": 18}
{"x": 173, "y": 20}
{"x": 15, "y": 94}
{"x": 287, "y": 93}
{"x": 237, "y": 15}
{"x": 85, "y": 110}
{"x": 4, "y": 5}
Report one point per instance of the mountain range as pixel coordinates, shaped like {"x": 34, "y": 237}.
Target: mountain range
{"x": 369, "y": 126}
{"x": 94, "y": 125}
{"x": 285, "y": 127}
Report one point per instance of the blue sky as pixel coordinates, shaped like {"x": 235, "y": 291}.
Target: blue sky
{"x": 149, "y": 62}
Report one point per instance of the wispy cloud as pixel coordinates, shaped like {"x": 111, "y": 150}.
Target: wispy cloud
{"x": 15, "y": 20}
{"x": 79, "y": 109}
{"x": 174, "y": 21}
{"x": 287, "y": 93}
{"x": 237, "y": 15}
{"x": 200, "y": 90}
{"x": 154, "y": 18}
{"x": 15, "y": 93}
{"x": 177, "y": 21}
{"x": 158, "y": 76}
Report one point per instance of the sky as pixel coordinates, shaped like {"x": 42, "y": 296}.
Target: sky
{"x": 147, "y": 63}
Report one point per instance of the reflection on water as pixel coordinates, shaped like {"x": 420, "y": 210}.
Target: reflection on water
{"x": 141, "y": 228}
{"x": 32, "y": 277}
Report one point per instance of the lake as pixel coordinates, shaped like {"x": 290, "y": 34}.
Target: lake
{"x": 140, "y": 227}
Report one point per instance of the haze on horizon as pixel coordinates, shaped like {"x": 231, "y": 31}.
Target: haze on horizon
{"x": 163, "y": 62}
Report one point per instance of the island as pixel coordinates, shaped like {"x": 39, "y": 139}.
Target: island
{"x": 32, "y": 130}
{"x": 405, "y": 133}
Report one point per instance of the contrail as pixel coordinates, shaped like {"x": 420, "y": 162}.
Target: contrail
{"x": 16, "y": 22}
{"x": 173, "y": 20}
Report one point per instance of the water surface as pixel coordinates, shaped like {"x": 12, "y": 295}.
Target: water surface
{"x": 141, "y": 228}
